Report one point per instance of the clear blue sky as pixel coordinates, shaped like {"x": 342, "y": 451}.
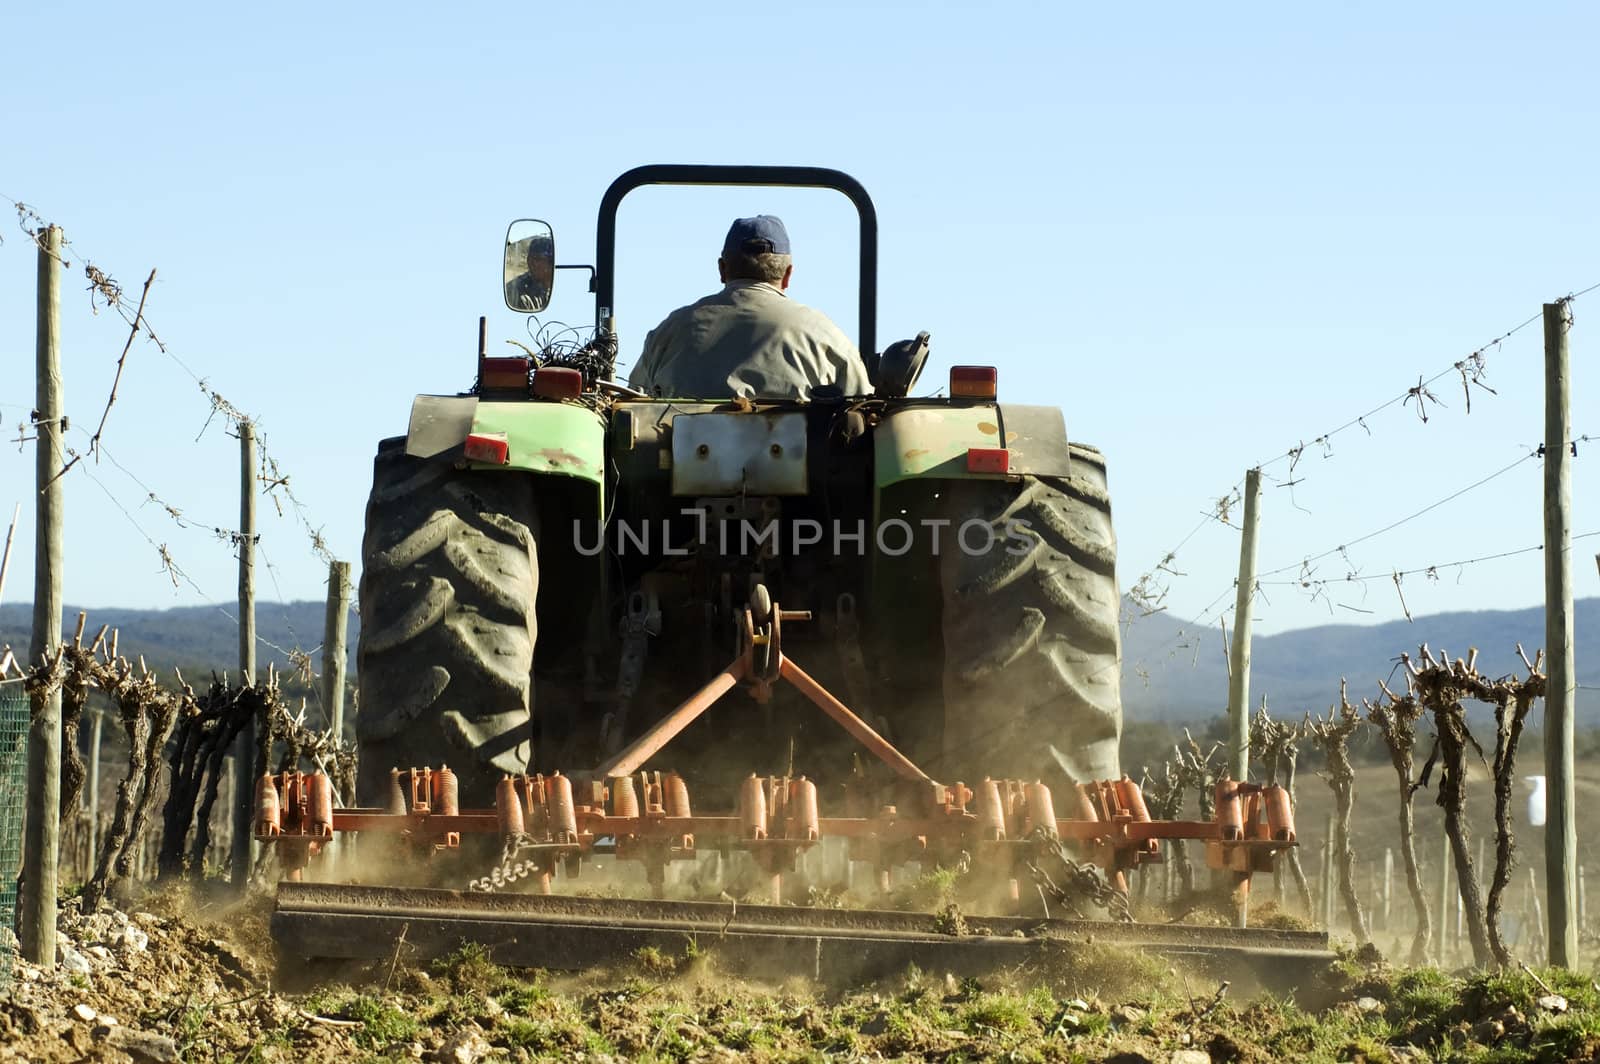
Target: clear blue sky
{"x": 1206, "y": 233}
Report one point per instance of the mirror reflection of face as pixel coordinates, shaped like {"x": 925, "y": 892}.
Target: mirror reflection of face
{"x": 542, "y": 266}
{"x": 529, "y": 266}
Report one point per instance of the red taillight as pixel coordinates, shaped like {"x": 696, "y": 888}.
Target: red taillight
{"x": 973, "y": 382}
{"x": 988, "y": 460}
{"x": 490, "y": 447}
{"x": 496, "y": 374}
{"x": 557, "y": 382}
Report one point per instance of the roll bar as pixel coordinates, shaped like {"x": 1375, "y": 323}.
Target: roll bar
{"x": 761, "y": 176}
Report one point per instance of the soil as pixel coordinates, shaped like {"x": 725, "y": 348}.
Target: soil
{"x": 169, "y": 979}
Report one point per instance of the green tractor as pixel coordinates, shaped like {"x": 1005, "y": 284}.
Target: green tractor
{"x": 555, "y": 565}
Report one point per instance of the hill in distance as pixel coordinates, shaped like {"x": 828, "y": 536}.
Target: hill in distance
{"x": 1171, "y": 676}
{"x": 1172, "y": 670}
{"x": 196, "y": 639}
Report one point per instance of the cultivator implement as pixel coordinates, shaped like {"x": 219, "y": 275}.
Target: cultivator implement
{"x": 550, "y": 826}
{"x": 551, "y": 822}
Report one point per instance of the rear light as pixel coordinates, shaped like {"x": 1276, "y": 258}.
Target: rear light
{"x": 557, "y": 382}
{"x": 988, "y": 460}
{"x": 972, "y": 382}
{"x": 489, "y": 447}
{"x": 496, "y": 374}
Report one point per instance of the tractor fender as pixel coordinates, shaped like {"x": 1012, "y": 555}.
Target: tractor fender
{"x": 931, "y": 442}
{"x": 565, "y": 439}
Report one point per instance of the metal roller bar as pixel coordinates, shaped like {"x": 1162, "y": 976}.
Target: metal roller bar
{"x": 566, "y": 933}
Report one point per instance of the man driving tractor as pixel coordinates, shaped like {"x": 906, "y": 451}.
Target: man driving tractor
{"x": 750, "y": 339}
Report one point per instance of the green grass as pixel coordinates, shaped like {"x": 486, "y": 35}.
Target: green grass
{"x": 997, "y": 1012}
{"x": 272, "y": 1045}
{"x": 597, "y": 1044}
{"x": 519, "y": 998}
{"x": 1080, "y": 1002}
{"x": 469, "y": 968}
{"x": 746, "y": 1035}
{"x": 453, "y": 1010}
{"x": 523, "y": 1034}
{"x": 1566, "y": 1037}
{"x": 1423, "y": 995}
{"x": 1070, "y": 1023}
{"x": 544, "y": 1036}
{"x": 192, "y": 1022}
{"x": 1522, "y": 991}
{"x": 382, "y": 1021}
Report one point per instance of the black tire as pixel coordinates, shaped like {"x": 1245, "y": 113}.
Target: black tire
{"x": 1032, "y": 671}
{"x": 445, "y": 661}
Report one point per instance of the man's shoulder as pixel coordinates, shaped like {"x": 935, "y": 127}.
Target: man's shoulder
{"x": 819, "y": 325}
{"x": 715, "y": 299}
{"x": 810, "y": 313}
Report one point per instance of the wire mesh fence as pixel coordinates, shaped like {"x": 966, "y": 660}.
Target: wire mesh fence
{"x": 13, "y": 790}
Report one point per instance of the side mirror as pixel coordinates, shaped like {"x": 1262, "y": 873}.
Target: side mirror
{"x": 530, "y": 265}
{"x": 895, "y": 372}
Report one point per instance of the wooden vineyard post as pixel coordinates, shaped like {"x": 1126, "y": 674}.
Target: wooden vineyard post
{"x": 244, "y": 750}
{"x": 1239, "y": 651}
{"x": 1481, "y": 871}
{"x": 1239, "y": 667}
{"x": 1444, "y": 899}
{"x": 1561, "y": 830}
{"x": 1388, "y": 885}
{"x": 1330, "y": 876}
{"x": 222, "y": 845}
{"x": 42, "y": 841}
{"x": 95, "y": 732}
{"x": 335, "y": 626}
{"x": 1537, "y": 922}
{"x": 5, "y": 555}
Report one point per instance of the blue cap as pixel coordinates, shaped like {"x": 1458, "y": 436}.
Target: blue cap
{"x": 755, "y": 236}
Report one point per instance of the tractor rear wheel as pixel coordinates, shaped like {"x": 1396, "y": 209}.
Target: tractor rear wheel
{"x": 445, "y": 660}
{"x": 1032, "y": 672}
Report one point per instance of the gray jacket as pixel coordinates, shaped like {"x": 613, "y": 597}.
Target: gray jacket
{"x": 748, "y": 339}
{"x": 524, "y": 292}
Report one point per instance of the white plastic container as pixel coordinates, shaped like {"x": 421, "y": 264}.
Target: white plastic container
{"x": 1535, "y": 800}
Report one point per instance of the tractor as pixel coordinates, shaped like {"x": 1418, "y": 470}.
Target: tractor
{"x": 553, "y": 561}
{"x": 807, "y": 643}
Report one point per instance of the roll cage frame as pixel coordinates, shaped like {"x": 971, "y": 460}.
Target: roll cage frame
{"x": 745, "y": 176}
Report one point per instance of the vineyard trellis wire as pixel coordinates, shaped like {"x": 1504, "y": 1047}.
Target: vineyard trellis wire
{"x": 1149, "y": 592}
{"x": 1186, "y": 637}
{"x": 147, "y": 712}
{"x": 106, "y": 293}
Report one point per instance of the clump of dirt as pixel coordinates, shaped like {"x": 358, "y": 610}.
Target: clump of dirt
{"x": 1274, "y": 916}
